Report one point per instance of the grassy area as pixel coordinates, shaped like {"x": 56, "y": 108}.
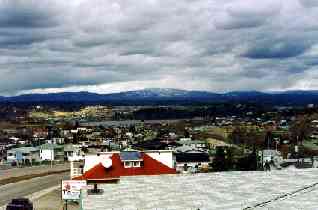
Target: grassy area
{"x": 311, "y": 144}
{"x": 37, "y": 114}
{"x": 63, "y": 114}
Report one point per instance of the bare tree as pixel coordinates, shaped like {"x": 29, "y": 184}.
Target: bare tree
{"x": 300, "y": 129}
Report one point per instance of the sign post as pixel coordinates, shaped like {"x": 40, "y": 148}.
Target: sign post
{"x": 81, "y": 200}
{"x": 72, "y": 190}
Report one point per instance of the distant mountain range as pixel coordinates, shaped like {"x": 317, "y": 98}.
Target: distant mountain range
{"x": 171, "y": 96}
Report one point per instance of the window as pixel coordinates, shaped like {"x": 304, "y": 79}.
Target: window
{"x": 137, "y": 164}
{"x": 132, "y": 164}
{"x": 127, "y": 164}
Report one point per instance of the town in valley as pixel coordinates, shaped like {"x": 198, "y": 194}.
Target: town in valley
{"x": 107, "y": 145}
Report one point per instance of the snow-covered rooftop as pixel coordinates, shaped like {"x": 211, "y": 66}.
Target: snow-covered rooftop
{"x": 227, "y": 190}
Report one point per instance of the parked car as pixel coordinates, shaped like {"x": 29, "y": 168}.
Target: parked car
{"x": 20, "y": 204}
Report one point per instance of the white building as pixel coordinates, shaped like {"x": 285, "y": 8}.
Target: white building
{"x": 271, "y": 156}
{"x": 73, "y": 152}
{"x": 52, "y": 152}
{"x": 128, "y": 159}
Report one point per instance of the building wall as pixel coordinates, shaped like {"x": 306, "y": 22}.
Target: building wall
{"x": 165, "y": 157}
{"x": 35, "y": 156}
{"x": 180, "y": 165}
{"x": 47, "y": 154}
{"x": 11, "y": 158}
{"x": 93, "y": 160}
{"x": 76, "y": 168}
{"x": 32, "y": 157}
{"x": 18, "y": 156}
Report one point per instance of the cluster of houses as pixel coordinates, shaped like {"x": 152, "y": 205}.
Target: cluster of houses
{"x": 190, "y": 156}
{"x": 46, "y": 152}
{"x": 30, "y": 146}
{"x": 190, "y": 151}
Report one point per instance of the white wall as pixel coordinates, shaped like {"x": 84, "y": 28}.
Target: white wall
{"x": 47, "y": 154}
{"x": 165, "y": 157}
{"x": 11, "y": 158}
{"x": 93, "y": 160}
{"x": 76, "y": 155}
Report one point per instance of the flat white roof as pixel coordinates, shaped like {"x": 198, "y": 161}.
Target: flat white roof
{"x": 217, "y": 191}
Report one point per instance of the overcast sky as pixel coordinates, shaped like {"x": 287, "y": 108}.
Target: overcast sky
{"x": 116, "y": 45}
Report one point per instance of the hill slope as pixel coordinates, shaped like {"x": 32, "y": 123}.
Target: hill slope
{"x": 170, "y": 96}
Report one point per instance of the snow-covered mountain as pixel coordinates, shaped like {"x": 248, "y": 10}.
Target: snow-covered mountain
{"x": 164, "y": 93}
{"x": 158, "y": 92}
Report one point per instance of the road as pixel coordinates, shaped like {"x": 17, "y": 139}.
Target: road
{"x": 17, "y": 172}
{"x": 27, "y": 187}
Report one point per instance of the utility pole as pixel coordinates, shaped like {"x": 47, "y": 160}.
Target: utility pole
{"x": 263, "y": 160}
{"x": 277, "y": 140}
{"x": 52, "y": 164}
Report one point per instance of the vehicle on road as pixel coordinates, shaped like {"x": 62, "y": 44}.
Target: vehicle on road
{"x": 20, "y": 204}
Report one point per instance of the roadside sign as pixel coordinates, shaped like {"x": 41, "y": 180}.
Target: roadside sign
{"x": 71, "y": 189}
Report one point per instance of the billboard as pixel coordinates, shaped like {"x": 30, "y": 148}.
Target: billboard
{"x": 71, "y": 189}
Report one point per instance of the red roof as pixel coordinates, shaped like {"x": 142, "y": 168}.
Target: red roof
{"x": 150, "y": 167}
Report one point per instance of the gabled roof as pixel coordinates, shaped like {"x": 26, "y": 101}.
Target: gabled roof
{"x": 150, "y": 166}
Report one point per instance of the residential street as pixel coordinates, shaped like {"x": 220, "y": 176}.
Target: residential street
{"x": 27, "y": 187}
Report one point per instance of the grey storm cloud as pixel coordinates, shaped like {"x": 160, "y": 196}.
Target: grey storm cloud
{"x": 26, "y": 14}
{"x": 277, "y": 49}
{"x": 309, "y": 3}
{"x": 106, "y": 46}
